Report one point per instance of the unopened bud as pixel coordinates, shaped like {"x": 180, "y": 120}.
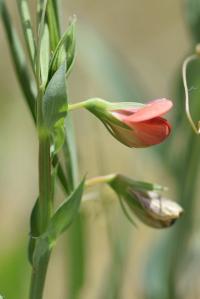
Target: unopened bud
{"x": 149, "y": 206}
{"x": 153, "y": 209}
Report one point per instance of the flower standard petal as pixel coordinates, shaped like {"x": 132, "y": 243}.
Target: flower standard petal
{"x": 151, "y": 110}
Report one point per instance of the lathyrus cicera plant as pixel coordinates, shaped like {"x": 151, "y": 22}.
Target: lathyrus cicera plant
{"x": 51, "y": 56}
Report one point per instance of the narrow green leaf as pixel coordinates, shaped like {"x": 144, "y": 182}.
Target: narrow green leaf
{"x": 59, "y": 222}
{"x": 65, "y": 214}
{"x": 53, "y": 23}
{"x": 27, "y": 29}
{"x": 18, "y": 57}
{"x": 65, "y": 50}
{"x": 41, "y": 14}
{"x": 76, "y": 256}
{"x": 55, "y": 99}
{"x": 70, "y": 154}
{"x": 44, "y": 55}
{"x": 41, "y": 11}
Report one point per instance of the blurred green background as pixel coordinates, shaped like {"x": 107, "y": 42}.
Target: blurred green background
{"x": 126, "y": 50}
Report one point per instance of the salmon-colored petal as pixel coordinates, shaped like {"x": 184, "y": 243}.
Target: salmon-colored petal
{"x": 151, "y": 132}
{"x": 126, "y": 136}
{"x": 151, "y": 110}
{"x": 142, "y": 134}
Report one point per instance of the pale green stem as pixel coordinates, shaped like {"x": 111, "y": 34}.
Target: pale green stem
{"x": 99, "y": 180}
{"x": 77, "y": 106}
{"x": 195, "y": 127}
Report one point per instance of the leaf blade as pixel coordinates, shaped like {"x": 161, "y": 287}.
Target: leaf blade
{"x": 66, "y": 213}
{"x": 55, "y": 99}
{"x": 44, "y": 55}
{"x": 65, "y": 50}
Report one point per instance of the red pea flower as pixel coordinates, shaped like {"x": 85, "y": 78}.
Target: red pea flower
{"x": 146, "y": 126}
{"x": 133, "y": 124}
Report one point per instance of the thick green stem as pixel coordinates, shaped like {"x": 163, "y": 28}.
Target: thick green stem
{"x": 45, "y": 201}
{"x": 45, "y": 194}
{"x": 38, "y": 279}
{"x": 44, "y": 182}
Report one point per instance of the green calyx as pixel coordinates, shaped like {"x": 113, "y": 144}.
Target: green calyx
{"x": 103, "y": 110}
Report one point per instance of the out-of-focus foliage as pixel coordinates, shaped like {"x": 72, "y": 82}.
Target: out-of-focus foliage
{"x": 14, "y": 272}
{"x": 164, "y": 271}
{"x": 193, "y": 18}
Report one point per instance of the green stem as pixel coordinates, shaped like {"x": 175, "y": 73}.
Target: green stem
{"x": 45, "y": 194}
{"x": 45, "y": 201}
{"x": 88, "y": 104}
{"x": 99, "y": 180}
{"x": 38, "y": 279}
{"x": 44, "y": 182}
{"x": 76, "y": 106}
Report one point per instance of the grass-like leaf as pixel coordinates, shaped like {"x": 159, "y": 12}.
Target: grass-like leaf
{"x": 18, "y": 57}
{"x": 59, "y": 222}
{"x": 44, "y": 55}
{"x": 27, "y": 29}
{"x": 65, "y": 50}
{"x": 65, "y": 214}
{"x": 55, "y": 99}
{"x": 53, "y": 23}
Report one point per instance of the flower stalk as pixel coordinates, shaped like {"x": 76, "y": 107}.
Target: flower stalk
{"x": 195, "y": 127}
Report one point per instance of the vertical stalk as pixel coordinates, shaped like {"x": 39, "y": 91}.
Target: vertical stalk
{"x": 45, "y": 201}
{"x": 44, "y": 182}
{"x": 38, "y": 279}
{"x": 184, "y": 228}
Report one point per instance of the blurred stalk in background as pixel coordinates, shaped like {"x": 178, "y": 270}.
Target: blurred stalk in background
{"x": 165, "y": 270}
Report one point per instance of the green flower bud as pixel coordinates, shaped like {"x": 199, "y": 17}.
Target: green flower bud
{"x": 148, "y": 205}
